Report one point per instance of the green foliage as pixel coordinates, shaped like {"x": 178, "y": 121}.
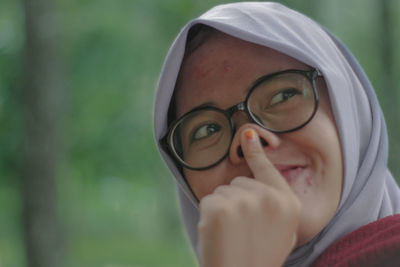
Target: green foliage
{"x": 116, "y": 197}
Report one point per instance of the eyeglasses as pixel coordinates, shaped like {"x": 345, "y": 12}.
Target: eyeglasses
{"x": 280, "y": 102}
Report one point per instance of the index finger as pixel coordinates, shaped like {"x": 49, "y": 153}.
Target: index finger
{"x": 263, "y": 170}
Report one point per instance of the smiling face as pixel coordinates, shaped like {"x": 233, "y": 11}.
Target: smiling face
{"x": 221, "y": 71}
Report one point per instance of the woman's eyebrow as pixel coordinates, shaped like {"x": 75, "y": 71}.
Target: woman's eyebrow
{"x": 206, "y": 104}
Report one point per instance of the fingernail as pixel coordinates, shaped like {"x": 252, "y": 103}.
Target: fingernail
{"x": 250, "y": 135}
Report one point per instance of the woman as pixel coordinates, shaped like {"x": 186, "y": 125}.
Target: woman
{"x": 277, "y": 142}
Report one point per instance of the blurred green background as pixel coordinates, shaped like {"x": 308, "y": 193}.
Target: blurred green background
{"x": 115, "y": 198}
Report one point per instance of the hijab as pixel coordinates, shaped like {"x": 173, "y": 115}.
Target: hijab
{"x": 369, "y": 191}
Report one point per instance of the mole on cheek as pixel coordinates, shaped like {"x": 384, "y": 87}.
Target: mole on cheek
{"x": 308, "y": 181}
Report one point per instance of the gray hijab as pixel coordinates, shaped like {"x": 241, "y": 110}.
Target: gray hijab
{"x": 369, "y": 190}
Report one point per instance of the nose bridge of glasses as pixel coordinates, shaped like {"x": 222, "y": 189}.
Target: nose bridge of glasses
{"x": 238, "y": 118}
{"x": 235, "y": 108}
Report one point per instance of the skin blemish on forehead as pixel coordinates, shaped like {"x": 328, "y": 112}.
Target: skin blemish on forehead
{"x": 201, "y": 72}
{"x": 226, "y": 66}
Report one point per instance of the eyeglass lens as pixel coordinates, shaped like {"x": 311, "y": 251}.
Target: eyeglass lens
{"x": 202, "y": 138}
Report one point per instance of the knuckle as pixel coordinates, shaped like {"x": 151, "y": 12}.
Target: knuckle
{"x": 220, "y": 189}
{"x": 268, "y": 203}
{"x": 208, "y": 203}
{"x": 214, "y": 208}
{"x": 245, "y": 205}
{"x": 239, "y": 180}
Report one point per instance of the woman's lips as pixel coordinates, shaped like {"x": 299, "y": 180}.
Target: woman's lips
{"x": 290, "y": 172}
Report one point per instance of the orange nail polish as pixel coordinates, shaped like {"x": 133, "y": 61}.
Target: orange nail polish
{"x": 250, "y": 134}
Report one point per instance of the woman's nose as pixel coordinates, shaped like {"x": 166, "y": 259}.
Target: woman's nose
{"x": 268, "y": 140}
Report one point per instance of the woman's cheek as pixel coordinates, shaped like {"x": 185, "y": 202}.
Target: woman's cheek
{"x": 205, "y": 182}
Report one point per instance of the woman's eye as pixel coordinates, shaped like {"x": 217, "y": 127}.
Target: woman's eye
{"x": 283, "y": 96}
{"x": 205, "y": 131}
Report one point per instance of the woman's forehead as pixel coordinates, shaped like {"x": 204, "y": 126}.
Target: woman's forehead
{"x": 223, "y": 68}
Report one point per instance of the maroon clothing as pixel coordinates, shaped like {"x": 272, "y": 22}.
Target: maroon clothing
{"x": 375, "y": 244}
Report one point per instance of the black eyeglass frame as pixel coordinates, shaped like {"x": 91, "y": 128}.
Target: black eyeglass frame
{"x": 166, "y": 142}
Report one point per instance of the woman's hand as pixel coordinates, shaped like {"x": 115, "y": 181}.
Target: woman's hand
{"x": 250, "y": 222}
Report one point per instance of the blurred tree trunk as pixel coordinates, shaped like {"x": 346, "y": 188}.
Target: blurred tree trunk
{"x": 390, "y": 89}
{"x": 386, "y": 47}
{"x": 40, "y": 105}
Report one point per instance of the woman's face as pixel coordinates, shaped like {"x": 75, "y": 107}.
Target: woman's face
{"x": 221, "y": 71}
